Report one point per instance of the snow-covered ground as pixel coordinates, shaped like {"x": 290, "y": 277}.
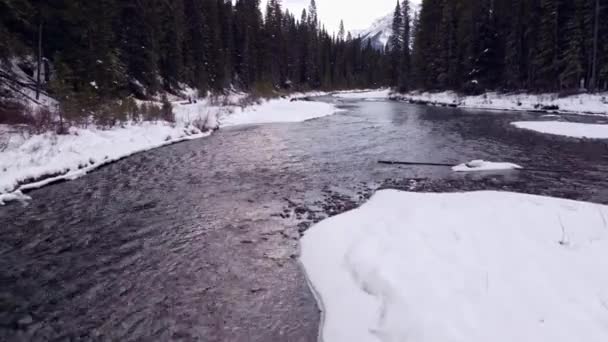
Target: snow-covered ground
{"x": 365, "y": 94}
{"x": 466, "y": 267}
{"x": 569, "y": 129}
{"x": 25, "y": 159}
{"x": 278, "y": 110}
{"x": 582, "y": 103}
{"x": 482, "y": 165}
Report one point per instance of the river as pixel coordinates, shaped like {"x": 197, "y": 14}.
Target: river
{"x": 198, "y": 241}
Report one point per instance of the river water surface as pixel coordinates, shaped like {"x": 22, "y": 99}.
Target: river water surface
{"x": 198, "y": 241}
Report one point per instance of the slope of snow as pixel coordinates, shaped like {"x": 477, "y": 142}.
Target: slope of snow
{"x": 22, "y": 94}
{"x": 482, "y": 165}
{"x": 365, "y": 94}
{"x": 474, "y": 267}
{"x": 569, "y": 129}
{"x": 582, "y": 103}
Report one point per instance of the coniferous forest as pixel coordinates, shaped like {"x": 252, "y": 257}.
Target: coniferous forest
{"x": 478, "y": 45}
{"x": 114, "y": 48}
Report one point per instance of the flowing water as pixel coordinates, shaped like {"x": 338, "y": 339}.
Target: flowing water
{"x": 198, "y": 241}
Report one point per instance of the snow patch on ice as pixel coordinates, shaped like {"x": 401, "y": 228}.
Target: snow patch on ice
{"x": 482, "y": 165}
{"x": 475, "y": 267}
{"x": 569, "y": 129}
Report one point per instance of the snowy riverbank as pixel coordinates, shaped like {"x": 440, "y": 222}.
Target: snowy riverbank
{"x": 596, "y": 104}
{"x": 568, "y": 129}
{"x": 482, "y": 266}
{"x": 31, "y": 161}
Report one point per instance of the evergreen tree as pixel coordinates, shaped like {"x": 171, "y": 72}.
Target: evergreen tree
{"x": 515, "y": 69}
{"x": 448, "y": 63}
{"x": 341, "y": 31}
{"x": 139, "y": 46}
{"x": 545, "y": 57}
{"x": 395, "y": 45}
{"x": 172, "y": 43}
{"x": 406, "y": 63}
{"x": 571, "y": 55}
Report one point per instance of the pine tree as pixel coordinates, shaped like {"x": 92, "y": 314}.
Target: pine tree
{"x": 448, "y": 63}
{"x": 313, "y": 17}
{"x": 341, "y": 31}
{"x": 571, "y": 56}
{"x": 395, "y": 44}
{"x": 514, "y": 74}
{"x": 546, "y": 49}
{"x": 139, "y": 49}
{"x": 172, "y": 43}
{"x": 195, "y": 57}
{"x": 406, "y": 59}
{"x": 427, "y": 55}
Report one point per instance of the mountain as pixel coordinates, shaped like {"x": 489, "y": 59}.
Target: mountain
{"x": 382, "y": 28}
{"x": 379, "y": 32}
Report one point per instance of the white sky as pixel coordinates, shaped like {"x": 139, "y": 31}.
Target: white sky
{"x": 357, "y": 14}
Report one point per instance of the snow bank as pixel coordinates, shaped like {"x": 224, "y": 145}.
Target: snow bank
{"x": 482, "y": 165}
{"x": 474, "y": 267}
{"x": 569, "y": 129}
{"x": 235, "y": 109}
{"x": 278, "y": 110}
{"x": 366, "y": 94}
{"x": 582, "y": 103}
{"x": 28, "y": 162}
{"x": 82, "y": 150}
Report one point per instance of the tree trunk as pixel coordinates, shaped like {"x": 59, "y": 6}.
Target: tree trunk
{"x": 39, "y": 59}
{"x": 593, "y": 82}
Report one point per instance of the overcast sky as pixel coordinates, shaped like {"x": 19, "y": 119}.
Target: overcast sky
{"x": 357, "y": 14}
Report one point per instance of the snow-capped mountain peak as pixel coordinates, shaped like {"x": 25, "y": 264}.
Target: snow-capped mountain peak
{"x": 379, "y": 32}
{"x": 382, "y": 28}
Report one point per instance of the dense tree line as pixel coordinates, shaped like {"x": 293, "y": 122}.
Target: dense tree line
{"x": 535, "y": 45}
{"x": 113, "y": 48}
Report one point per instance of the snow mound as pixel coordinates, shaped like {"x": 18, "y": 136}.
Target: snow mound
{"x": 474, "y": 267}
{"x": 278, "y": 110}
{"x": 569, "y": 129}
{"x": 14, "y": 196}
{"x": 482, "y": 165}
{"x": 367, "y": 94}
